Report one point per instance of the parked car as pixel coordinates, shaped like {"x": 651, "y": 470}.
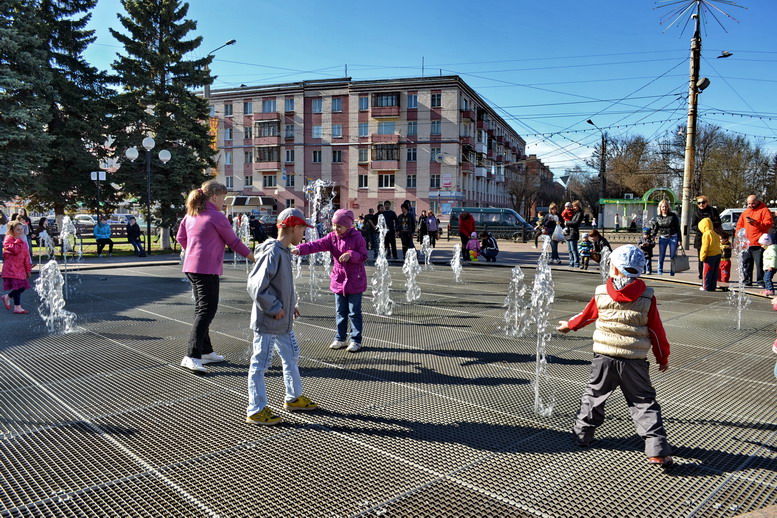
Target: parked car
{"x": 84, "y": 219}
{"x": 729, "y": 218}
{"x": 502, "y": 223}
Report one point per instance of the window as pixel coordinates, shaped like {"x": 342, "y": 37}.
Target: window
{"x": 433, "y": 152}
{"x": 317, "y": 157}
{"x": 411, "y": 180}
{"x": 337, "y": 130}
{"x": 268, "y": 154}
{"x": 227, "y": 157}
{"x": 364, "y": 103}
{"x": 249, "y": 181}
{"x": 317, "y": 131}
{"x": 379, "y": 100}
{"x": 290, "y": 202}
{"x": 411, "y": 154}
{"x": 385, "y": 180}
{"x": 228, "y": 182}
{"x": 412, "y": 101}
{"x": 227, "y": 133}
{"x": 364, "y": 129}
{"x": 337, "y": 104}
{"x": 436, "y": 100}
{"x": 269, "y": 180}
{"x": 386, "y": 128}
{"x": 289, "y": 156}
{"x": 290, "y": 183}
{"x": 363, "y": 181}
{"x": 248, "y": 157}
{"x": 290, "y": 105}
{"x": 227, "y": 110}
{"x": 434, "y": 181}
{"x": 436, "y": 127}
{"x": 267, "y": 128}
{"x": 465, "y": 104}
{"x": 337, "y": 156}
{"x": 248, "y": 108}
{"x": 412, "y": 128}
{"x": 385, "y": 152}
{"x": 248, "y": 132}
{"x": 316, "y": 105}
{"x": 290, "y": 131}
{"x": 268, "y": 106}
{"x": 364, "y": 155}
{"x": 212, "y": 111}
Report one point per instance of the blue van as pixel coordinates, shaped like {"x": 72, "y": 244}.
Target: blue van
{"x": 502, "y": 223}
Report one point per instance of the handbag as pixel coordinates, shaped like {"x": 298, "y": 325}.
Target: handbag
{"x": 680, "y": 262}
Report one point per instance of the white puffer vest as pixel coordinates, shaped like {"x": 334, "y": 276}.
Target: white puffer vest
{"x": 621, "y": 329}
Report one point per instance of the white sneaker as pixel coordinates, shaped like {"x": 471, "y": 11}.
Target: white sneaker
{"x": 353, "y": 347}
{"x": 337, "y": 344}
{"x": 193, "y": 364}
{"x": 211, "y": 357}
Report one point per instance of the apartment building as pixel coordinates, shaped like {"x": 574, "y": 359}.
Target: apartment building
{"x": 430, "y": 140}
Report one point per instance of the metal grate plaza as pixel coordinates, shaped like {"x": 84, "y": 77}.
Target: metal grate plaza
{"x": 432, "y": 418}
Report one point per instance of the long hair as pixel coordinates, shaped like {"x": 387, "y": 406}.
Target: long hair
{"x": 195, "y": 202}
{"x": 11, "y": 226}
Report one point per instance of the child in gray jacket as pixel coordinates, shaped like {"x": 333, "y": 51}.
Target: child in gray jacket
{"x": 271, "y": 286}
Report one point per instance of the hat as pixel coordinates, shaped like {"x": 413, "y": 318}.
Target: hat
{"x": 343, "y": 217}
{"x": 765, "y": 239}
{"x": 291, "y": 218}
{"x": 585, "y": 235}
{"x": 629, "y": 260}
{"x": 474, "y": 234}
{"x": 568, "y": 204}
{"x": 646, "y": 230}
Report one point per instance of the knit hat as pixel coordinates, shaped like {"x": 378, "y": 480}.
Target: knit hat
{"x": 474, "y": 235}
{"x": 568, "y": 204}
{"x": 343, "y": 217}
{"x": 585, "y": 235}
{"x": 291, "y": 218}
{"x": 629, "y": 260}
{"x": 765, "y": 239}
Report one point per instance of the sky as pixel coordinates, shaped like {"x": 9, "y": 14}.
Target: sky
{"x": 545, "y": 66}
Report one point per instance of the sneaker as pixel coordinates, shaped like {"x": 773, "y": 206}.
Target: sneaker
{"x": 767, "y": 293}
{"x": 20, "y": 311}
{"x": 337, "y": 344}
{"x": 264, "y": 417}
{"x": 353, "y": 347}
{"x": 193, "y": 364}
{"x": 301, "y": 403}
{"x": 211, "y": 357}
{"x": 7, "y": 302}
{"x": 661, "y": 461}
{"x": 581, "y": 441}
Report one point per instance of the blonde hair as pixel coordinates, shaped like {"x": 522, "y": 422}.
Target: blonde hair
{"x": 577, "y": 204}
{"x": 12, "y": 226}
{"x": 664, "y": 203}
{"x": 552, "y": 206}
{"x": 195, "y": 202}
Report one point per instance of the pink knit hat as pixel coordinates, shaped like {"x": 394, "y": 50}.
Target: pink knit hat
{"x": 343, "y": 217}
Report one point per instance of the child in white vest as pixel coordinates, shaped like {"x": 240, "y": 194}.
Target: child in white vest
{"x": 627, "y": 327}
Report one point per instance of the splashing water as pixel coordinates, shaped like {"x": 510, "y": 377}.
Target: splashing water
{"x": 381, "y": 279}
{"x": 49, "y": 286}
{"x": 516, "y": 316}
{"x": 426, "y": 249}
{"x": 245, "y": 237}
{"x": 411, "y": 269}
{"x": 456, "y": 262}
{"x": 48, "y": 246}
{"x": 542, "y": 297}
{"x": 67, "y": 237}
{"x": 604, "y": 265}
{"x": 737, "y": 296}
{"x": 320, "y": 195}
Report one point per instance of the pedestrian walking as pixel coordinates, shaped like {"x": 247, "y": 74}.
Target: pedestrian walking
{"x": 17, "y": 267}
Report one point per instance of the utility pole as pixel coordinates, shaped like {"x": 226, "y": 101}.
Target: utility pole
{"x": 690, "y": 133}
{"x": 602, "y": 175}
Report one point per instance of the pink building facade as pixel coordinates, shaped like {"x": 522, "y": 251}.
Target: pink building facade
{"x": 430, "y": 140}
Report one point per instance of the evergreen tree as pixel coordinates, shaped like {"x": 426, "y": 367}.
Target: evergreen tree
{"x": 76, "y": 109}
{"x": 157, "y": 100}
{"x": 24, "y": 80}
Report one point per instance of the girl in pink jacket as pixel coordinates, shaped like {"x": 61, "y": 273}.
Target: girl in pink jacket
{"x": 16, "y": 267}
{"x": 349, "y": 277}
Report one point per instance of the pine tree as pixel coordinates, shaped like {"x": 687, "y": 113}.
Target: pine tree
{"x": 24, "y": 79}
{"x": 157, "y": 100}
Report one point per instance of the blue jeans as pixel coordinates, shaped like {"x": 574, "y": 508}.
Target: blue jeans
{"x": 349, "y": 307}
{"x": 489, "y": 254}
{"x": 138, "y": 246}
{"x": 554, "y": 250}
{"x": 662, "y": 243}
{"x": 261, "y": 360}
{"x": 574, "y": 255}
{"x": 768, "y": 283}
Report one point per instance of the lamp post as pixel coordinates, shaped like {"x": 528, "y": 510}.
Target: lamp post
{"x": 602, "y": 171}
{"x": 164, "y": 156}
{"x": 98, "y": 176}
{"x": 207, "y": 69}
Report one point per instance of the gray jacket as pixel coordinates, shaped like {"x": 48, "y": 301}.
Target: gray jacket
{"x": 271, "y": 286}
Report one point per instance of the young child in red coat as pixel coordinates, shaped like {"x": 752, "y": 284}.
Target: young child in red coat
{"x": 16, "y": 267}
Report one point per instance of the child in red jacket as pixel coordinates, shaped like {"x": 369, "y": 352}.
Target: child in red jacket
{"x": 16, "y": 267}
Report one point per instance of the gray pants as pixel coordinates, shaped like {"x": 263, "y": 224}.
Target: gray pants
{"x": 607, "y": 374}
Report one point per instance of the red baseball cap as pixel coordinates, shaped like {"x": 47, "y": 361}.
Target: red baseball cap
{"x": 291, "y": 218}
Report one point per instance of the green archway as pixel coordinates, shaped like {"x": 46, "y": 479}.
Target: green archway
{"x": 667, "y": 191}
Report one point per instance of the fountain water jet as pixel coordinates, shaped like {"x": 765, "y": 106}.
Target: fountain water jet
{"x": 411, "y": 269}
{"x": 381, "y": 279}
{"x": 456, "y": 262}
{"x": 542, "y": 297}
{"x": 516, "y": 316}
{"x": 426, "y": 249}
{"x": 49, "y": 287}
{"x": 737, "y": 295}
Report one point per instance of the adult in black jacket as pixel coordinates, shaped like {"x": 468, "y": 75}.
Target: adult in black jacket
{"x": 704, "y": 210}
{"x": 133, "y": 237}
{"x": 573, "y": 235}
{"x": 665, "y": 227}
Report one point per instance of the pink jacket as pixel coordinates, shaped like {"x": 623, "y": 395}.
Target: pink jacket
{"x": 16, "y": 258}
{"x": 347, "y": 278}
{"x": 204, "y": 238}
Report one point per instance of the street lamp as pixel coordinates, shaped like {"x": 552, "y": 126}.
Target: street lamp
{"x": 602, "y": 170}
{"x": 98, "y": 176}
{"x": 164, "y": 156}
{"x": 207, "y": 70}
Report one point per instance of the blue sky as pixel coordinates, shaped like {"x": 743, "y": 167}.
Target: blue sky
{"x": 546, "y": 66}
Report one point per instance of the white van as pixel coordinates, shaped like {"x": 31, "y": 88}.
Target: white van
{"x": 729, "y": 218}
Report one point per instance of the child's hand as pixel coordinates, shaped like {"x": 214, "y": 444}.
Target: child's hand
{"x": 294, "y": 251}
{"x": 345, "y": 257}
{"x": 280, "y": 315}
{"x": 563, "y": 327}
{"x": 664, "y": 367}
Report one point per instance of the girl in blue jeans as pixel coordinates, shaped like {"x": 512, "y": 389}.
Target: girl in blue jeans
{"x": 665, "y": 227}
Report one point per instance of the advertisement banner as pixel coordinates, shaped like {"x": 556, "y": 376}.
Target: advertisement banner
{"x": 446, "y": 180}
{"x": 214, "y": 132}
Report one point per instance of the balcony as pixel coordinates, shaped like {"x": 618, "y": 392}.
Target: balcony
{"x": 467, "y": 167}
{"x": 384, "y": 165}
{"x": 468, "y": 114}
{"x": 267, "y": 141}
{"x": 500, "y": 158}
{"x": 267, "y": 166}
{"x": 481, "y": 125}
{"x": 500, "y": 178}
{"x": 491, "y": 154}
{"x": 480, "y": 147}
{"x": 500, "y": 139}
{"x": 385, "y": 112}
{"x": 271, "y": 116}
{"x": 490, "y": 132}
{"x": 481, "y": 172}
{"x": 385, "y": 139}
{"x": 467, "y": 141}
